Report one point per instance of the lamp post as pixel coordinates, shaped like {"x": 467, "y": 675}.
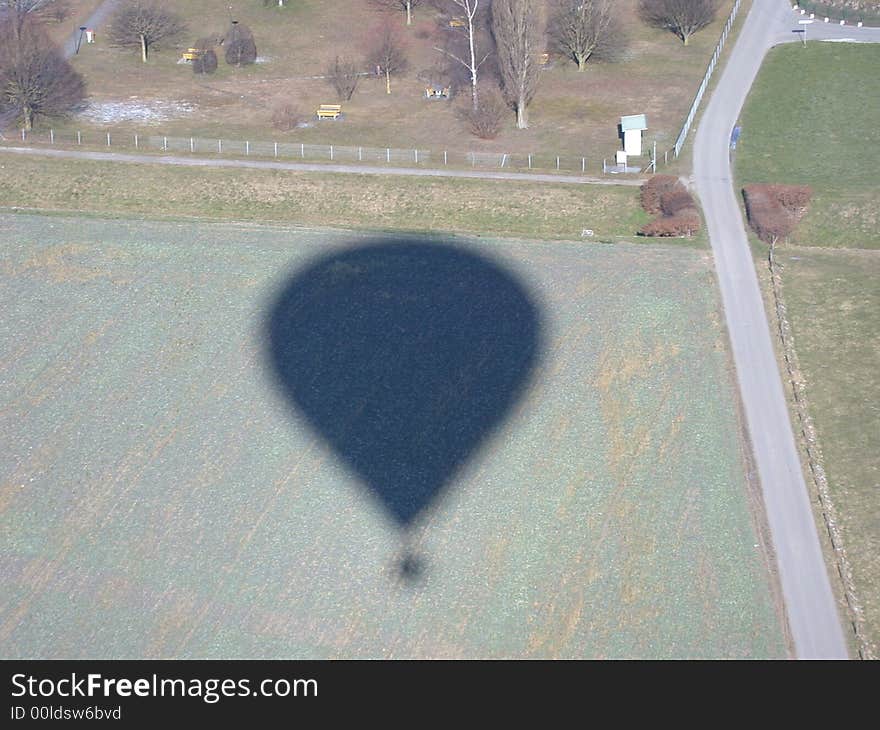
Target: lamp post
{"x": 82, "y": 29}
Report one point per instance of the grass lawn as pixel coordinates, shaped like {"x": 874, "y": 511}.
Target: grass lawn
{"x": 491, "y": 207}
{"x": 573, "y": 114}
{"x": 162, "y": 497}
{"x": 813, "y": 118}
{"x": 832, "y": 299}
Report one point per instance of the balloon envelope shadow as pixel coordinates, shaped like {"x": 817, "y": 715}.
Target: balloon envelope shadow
{"x": 404, "y": 355}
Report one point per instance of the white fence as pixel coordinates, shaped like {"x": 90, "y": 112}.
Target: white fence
{"x": 297, "y": 151}
{"x": 679, "y": 143}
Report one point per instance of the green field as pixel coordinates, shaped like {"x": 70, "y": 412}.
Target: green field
{"x": 824, "y": 131}
{"x": 160, "y": 497}
{"x": 832, "y": 300}
{"x": 812, "y": 118}
{"x": 493, "y": 207}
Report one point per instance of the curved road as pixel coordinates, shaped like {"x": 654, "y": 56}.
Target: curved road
{"x": 809, "y": 601}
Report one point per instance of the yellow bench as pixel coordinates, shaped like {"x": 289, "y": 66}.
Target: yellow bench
{"x": 329, "y": 111}
{"x": 191, "y": 54}
{"x": 457, "y": 23}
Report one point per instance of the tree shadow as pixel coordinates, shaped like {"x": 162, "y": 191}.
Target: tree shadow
{"x": 404, "y": 355}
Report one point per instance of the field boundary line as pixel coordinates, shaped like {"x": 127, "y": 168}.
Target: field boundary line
{"x": 814, "y": 459}
{"x": 174, "y": 160}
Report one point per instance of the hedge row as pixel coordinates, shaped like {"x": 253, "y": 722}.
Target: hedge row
{"x": 664, "y": 194}
{"x": 774, "y": 210}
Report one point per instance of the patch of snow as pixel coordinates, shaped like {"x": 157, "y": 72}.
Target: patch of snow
{"x": 146, "y": 112}
{"x": 263, "y": 59}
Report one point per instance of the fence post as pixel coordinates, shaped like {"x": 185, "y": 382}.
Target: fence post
{"x": 135, "y": 141}
{"x": 557, "y": 163}
{"x": 276, "y": 149}
{"x": 220, "y": 146}
{"x": 79, "y": 138}
{"x": 503, "y": 159}
{"x": 530, "y": 160}
{"x": 387, "y": 155}
{"x": 444, "y": 157}
{"x": 583, "y": 164}
{"x": 331, "y": 152}
{"x": 192, "y": 145}
{"x": 108, "y": 139}
{"x": 247, "y": 148}
{"x": 52, "y": 136}
{"x": 360, "y": 154}
{"x": 416, "y": 156}
{"x": 164, "y": 144}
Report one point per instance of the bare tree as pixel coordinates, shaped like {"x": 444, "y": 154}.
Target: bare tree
{"x": 20, "y": 12}
{"x": 516, "y": 27}
{"x": 406, "y": 5}
{"x": 343, "y": 76}
{"x": 469, "y": 29}
{"x": 387, "y": 53}
{"x": 484, "y": 121}
{"x": 585, "y": 29}
{"x": 143, "y": 24}
{"x": 681, "y": 17}
{"x": 241, "y": 49}
{"x": 35, "y": 78}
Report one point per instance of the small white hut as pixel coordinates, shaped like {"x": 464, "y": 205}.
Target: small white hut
{"x": 632, "y": 128}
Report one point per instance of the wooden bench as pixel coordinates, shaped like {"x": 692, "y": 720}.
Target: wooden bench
{"x": 329, "y": 111}
{"x": 191, "y": 54}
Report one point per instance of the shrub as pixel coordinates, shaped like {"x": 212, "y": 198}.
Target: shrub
{"x": 487, "y": 119}
{"x": 675, "y": 200}
{"x": 774, "y": 210}
{"x": 205, "y": 62}
{"x": 285, "y": 117}
{"x": 241, "y": 49}
{"x": 654, "y": 188}
{"x": 684, "y": 223}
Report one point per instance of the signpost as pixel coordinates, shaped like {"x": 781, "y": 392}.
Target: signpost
{"x": 803, "y": 30}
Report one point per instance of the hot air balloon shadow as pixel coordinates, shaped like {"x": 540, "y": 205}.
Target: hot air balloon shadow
{"x": 404, "y": 355}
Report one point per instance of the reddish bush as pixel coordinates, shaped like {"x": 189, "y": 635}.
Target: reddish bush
{"x": 774, "y": 210}
{"x": 654, "y": 188}
{"x": 794, "y": 198}
{"x": 684, "y": 223}
{"x": 675, "y": 200}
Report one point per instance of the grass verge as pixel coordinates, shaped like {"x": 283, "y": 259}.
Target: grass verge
{"x": 812, "y": 119}
{"x": 531, "y": 210}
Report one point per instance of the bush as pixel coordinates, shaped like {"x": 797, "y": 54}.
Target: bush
{"x": 241, "y": 49}
{"x": 487, "y": 119}
{"x": 342, "y": 75}
{"x": 654, "y": 188}
{"x": 675, "y": 200}
{"x": 684, "y": 223}
{"x": 205, "y": 62}
{"x": 774, "y": 210}
{"x": 285, "y": 117}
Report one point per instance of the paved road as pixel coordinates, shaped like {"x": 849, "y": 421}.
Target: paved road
{"x": 318, "y": 167}
{"x": 809, "y": 600}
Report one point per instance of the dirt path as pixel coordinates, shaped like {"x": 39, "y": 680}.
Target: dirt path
{"x": 316, "y": 167}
